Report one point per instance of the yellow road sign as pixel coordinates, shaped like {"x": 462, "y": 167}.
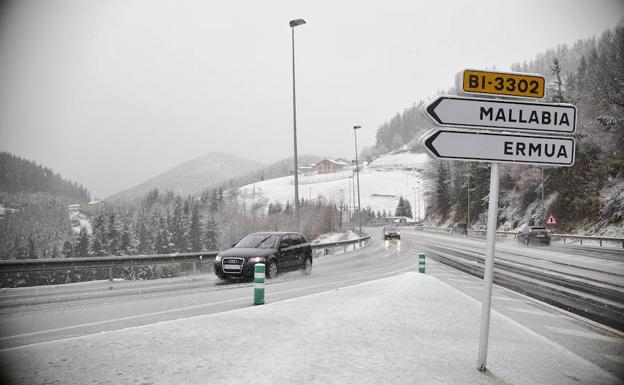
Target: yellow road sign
{"x": 503, "y": 83}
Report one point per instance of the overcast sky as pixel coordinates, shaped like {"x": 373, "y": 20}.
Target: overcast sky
{"x": 111, "y": 93}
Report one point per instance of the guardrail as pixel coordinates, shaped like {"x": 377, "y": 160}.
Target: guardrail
{"x": 514, "y": 234}
{"x": 51, "y": 264}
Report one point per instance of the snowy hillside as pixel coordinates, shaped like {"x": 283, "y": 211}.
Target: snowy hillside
{"x": 382, "y": 182}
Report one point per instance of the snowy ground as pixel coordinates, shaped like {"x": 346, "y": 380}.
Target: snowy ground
{"x": 407, "y": 329}
{"x": 382, "y": 182}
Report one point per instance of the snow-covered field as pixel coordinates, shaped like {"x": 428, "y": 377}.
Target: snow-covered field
{"x": 407, "y": 329}
{"x": 382, "y": 182}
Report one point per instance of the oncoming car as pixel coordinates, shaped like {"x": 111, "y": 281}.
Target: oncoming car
{"x": 391, "y": 231}
{"x": 279, "y": 251}
{"x": 534, "y": 234}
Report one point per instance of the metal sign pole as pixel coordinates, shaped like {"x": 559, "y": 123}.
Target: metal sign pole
{"x": 488, "y": 275}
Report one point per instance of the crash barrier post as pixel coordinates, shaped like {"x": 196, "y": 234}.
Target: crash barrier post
{"x": 259, "y": 284}
{"x": 421, "y": 263}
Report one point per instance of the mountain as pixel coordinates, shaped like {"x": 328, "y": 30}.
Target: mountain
{"x": 193, "y": 176}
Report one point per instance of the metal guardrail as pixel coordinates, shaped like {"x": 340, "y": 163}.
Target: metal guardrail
{"x": 514, "y": 234}
{"x": 31, "y": 265}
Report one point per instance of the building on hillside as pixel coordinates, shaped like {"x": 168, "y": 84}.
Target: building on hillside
{"x": 330, "y": 165}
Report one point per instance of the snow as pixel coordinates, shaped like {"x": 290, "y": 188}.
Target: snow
{"x": 402, "y": 159}
{"x": 406, "y": 329}
{"x": 382, "y": 182}
{"x": 335, "y": 237}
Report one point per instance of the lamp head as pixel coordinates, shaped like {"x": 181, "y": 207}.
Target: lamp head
{"x": 296, "y": 22}
{"x": 356, "y": 127}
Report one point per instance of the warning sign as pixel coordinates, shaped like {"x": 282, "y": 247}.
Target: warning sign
{"x": 551, "y": 219}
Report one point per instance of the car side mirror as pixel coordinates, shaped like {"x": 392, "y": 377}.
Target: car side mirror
{"x": 233, "y": 244}
{"x": 283, "y": 245}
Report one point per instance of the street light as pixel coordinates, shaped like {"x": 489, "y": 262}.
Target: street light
{"x": 357, "y": 171}
{"x": 293, "y": 24}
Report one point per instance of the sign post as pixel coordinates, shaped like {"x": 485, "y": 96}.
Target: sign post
{"x": 475, "y": 141}
{"x": 488, "y": 270}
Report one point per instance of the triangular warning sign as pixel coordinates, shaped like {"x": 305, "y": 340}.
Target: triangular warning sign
{"x": 551, "y": 219}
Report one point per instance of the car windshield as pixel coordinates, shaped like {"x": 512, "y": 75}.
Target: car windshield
{"x": 259, "y": 241}
{"x": 538, "y": 228}
{"x": 391, "y": 228}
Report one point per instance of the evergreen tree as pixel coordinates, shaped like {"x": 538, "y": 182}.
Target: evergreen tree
{"x": 195, "y": 230}
{"x": 32, "y": 249}
{"x": 126, "y": 241}
{"x": 82, "y": 246}
{"x": 443, "y": 195}
{"x": 211, "y": 238}
{"x": 113, "y": 236}
{"x": 68, "y": 249}
{"x": 162, "y": 239}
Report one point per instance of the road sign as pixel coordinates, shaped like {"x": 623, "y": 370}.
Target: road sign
{"x": 483, "y": 146}
{"x": 500, "y": 114}
{"x": 503, "y": 83}
{"x": 551, "y": 219}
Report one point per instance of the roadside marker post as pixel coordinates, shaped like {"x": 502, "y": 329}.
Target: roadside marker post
{"x": 259, "y": 284}
{"x": 473, "y": 139}
{"x": 421, "y": 263}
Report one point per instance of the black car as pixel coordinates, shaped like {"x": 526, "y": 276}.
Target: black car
{"x": 278, "y": 251}
{"x": 460, "y": 228}
{"x": 530, "y": 235}
{"x": 391, "y": 231}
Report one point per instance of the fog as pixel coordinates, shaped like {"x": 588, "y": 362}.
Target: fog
{"x": 110, "y": 93}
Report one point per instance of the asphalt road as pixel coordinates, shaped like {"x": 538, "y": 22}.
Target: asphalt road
{"x": 35, "y": 315}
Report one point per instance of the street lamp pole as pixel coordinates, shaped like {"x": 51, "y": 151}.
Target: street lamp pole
{"x": 357, "y": 171}
{"x": 293, "y": 24}
{"x": 415, "y": 202}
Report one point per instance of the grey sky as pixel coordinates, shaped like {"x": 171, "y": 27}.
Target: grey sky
{"x": 110, "y": 93}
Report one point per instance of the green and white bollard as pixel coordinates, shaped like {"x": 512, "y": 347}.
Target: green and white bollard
{"x": 259, "y": 284}
{"x": 421, "y": 263}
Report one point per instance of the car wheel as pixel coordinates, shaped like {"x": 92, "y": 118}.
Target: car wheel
{"x": 307, "y": 266}
{"x": 272, "y": 270}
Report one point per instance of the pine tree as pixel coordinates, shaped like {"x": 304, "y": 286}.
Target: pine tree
{"x": 443, "y": 196}
{"x": 68, "y": 249}
{"x": 195, "y": 230}
{"x": 211, "y": 237}
{"x": 162, "y": 239}
{"x": 113, "y": 236}
{"x": 32, "y": 250}
{"x": 82, "y": 246}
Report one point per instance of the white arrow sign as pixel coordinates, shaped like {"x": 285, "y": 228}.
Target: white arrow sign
{"x": 498, "y": 114}
{"x": 483, "y": 146}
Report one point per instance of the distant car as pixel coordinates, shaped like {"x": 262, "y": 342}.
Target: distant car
{"x": 279, "y": 251}
{"x": 530, "y": 235}
{"x": 460, "y": 228}
{"x": 391, "y": 231}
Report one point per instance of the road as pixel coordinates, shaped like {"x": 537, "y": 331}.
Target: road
{"x": 36, "y": 315}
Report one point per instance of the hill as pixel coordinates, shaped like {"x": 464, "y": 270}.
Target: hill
{"x": 19, "y": 176}
{"x": 34, "y": 219}
{"x": 193, "y": 176}
{"x": 383, "y": 181}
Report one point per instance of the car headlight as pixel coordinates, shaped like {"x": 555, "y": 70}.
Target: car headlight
{"x": 257, "y": 259}
{"x": 218, "y": 258}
